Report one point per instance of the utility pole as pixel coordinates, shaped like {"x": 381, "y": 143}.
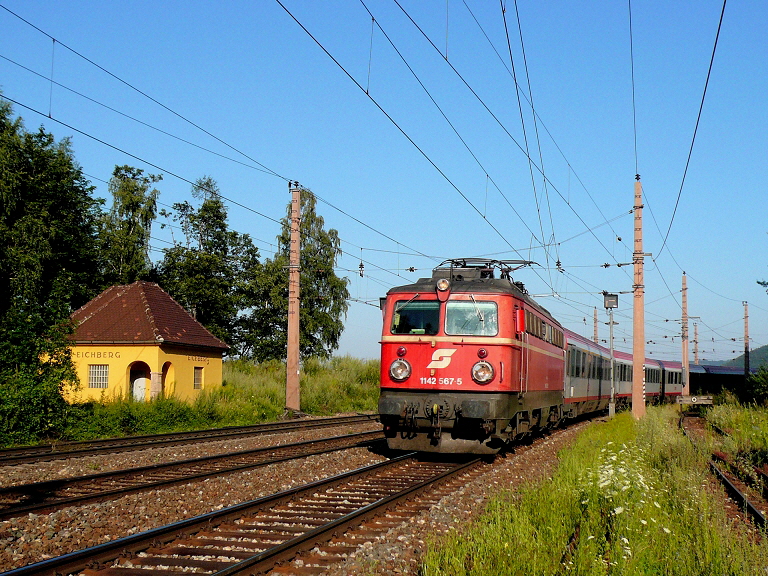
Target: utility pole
{"x": 638, "y": 317}
{"x": 746, "y": 340}
{"x": 595, "y": 322}
{"x": 292, "y": 401}
{"x": 686, "y": 366}
{"x": 611, "y": 301}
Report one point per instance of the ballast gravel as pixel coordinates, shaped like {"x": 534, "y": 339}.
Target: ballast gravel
{"x": 36, "y": 537}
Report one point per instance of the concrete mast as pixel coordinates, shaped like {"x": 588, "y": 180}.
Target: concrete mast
{"x": 292, "y": 400}
{"x": 638, "y": 318}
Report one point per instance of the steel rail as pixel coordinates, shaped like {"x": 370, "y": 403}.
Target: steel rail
{"x": 41, "y": 453}
{"x": 81, "y": 559}
{"x": 94, "y": 558}
{"x": 740, "y": 498}
{"x": 310, "y": 539}
{"x": 51, "y": 495}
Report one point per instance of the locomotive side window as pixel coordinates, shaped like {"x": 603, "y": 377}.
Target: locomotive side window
{"x": 537, "y": 327}
{"x": 412, "y": 317}
{"x": 471, "y": 318}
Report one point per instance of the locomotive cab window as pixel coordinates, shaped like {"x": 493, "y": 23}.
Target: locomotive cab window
{"x": 416, "y": 317}
{"x": 471, "y": 318}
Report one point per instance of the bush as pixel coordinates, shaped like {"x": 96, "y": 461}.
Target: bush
{"x": 31, "y": 407}
{"x": 251, "y": 394}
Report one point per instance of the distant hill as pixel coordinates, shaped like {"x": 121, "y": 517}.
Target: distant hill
{"x": 757, "y": 357}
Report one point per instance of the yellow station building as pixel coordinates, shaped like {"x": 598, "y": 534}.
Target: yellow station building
{"x": 136, "y": 341}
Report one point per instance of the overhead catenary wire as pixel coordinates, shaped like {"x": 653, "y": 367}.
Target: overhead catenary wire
{"x": 536, "y": 115}
{"x": 192, "y": 144}
{"x": 525, "y": 132}
{"x": 695, "y": 130}
{"x": 452, "y": 126}
{"x": 145, "y": 95}
{"x": 399, "y": 128}
{"x": 169, "y": 172}
{"x": 455, "y": 54}
{"x": 501, "y": 124}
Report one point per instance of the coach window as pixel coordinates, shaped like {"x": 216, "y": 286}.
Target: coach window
{"x": 471, "y": 318}
{"x": 414, "y": 317}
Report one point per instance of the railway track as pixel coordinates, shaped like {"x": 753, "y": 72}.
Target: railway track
{"x": 44, "y": 497}
{"x": 41, "y": 453}
{"x": 749, "y": 499}
{"x": 256, "y": 536}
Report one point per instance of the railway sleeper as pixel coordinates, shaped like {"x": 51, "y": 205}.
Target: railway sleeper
{"x": 219, "y": 564}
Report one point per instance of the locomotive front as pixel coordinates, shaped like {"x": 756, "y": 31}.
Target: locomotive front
{"x": 450, "y": 360}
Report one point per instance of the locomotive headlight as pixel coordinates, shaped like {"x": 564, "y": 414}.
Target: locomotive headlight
{"x": 399, "y": 370}
{"x": 443, "y": 284}
{"x": 482, "y": 372}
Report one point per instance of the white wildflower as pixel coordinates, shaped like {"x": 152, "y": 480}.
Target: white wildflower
{"x": 667, "y": 530}
{"x": 618, "y": 510}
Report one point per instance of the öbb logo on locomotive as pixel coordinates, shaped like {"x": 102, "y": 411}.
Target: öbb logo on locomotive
{"x": 519, "y": 370}
{"x": 441, "y": 358}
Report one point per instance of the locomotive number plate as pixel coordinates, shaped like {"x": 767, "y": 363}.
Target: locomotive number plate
{"x": 440, "y": 381}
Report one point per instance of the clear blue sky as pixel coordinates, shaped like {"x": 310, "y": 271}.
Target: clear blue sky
{"x": 248, "y": 74}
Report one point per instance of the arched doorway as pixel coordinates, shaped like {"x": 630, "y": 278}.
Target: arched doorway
{"x": 139, "y": 379}
{"x": 167, "y": 380}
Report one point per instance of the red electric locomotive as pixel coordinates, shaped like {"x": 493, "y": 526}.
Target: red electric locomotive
{"x": 469, "y": 360}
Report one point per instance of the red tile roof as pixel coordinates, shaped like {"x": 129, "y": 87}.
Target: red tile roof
{"x": 140, "y": 313}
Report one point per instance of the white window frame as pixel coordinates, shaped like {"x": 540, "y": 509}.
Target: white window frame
{"x": 98, "y": 376}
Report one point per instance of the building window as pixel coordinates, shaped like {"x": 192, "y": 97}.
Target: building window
{"x": 98, "y": 375}
{"x": 198, "y": 385}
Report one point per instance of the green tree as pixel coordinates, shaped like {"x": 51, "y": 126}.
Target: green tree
{"x": 757, "y": 387}
{"x": 125, "y": 229}
{"x": 323, "y": 294}
{"x": 206, "y": 274}
{"x": 47, "y": 262}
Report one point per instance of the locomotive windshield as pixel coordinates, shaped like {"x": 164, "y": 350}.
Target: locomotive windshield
{"x": 416, "y": 317}
{"x": 471, "y": 318}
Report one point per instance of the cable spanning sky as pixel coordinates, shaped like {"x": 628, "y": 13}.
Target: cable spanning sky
{"x": 404, "y": 118}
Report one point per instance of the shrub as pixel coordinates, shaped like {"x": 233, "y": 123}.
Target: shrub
{"x": 251, "y": 393}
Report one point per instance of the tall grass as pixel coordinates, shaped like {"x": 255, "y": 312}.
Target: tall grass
{"x": 252, "y": 393}
{"x": 629, "y": 498}
{"x": 747, "y": 427}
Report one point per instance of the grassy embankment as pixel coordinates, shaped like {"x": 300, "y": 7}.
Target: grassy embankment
{"x": 747, "y": 429}
{"x": 628, "y": 498}
{"x": 251, "y": 394}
